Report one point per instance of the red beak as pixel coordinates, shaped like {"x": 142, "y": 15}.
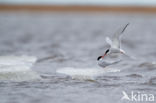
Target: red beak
{"x": 103, "y": 55}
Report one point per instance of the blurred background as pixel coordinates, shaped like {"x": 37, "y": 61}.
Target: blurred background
{"x": 80, "y": 5}
{"x": 71, "y": 33}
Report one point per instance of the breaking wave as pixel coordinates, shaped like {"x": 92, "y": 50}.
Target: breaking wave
{"x": 85, "y": 73}
{"x": 17, "y": 68}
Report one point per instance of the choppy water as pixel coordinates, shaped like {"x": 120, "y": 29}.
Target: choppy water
{"x": 76, "y": 40}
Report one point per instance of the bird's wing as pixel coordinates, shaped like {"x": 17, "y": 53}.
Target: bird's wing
{"x": 116, "y": 37}
{"x": 109, "y": 41}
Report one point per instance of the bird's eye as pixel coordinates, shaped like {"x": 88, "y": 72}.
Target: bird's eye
{"x": 107, "y": 51}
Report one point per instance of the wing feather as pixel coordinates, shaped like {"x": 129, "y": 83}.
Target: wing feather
{"x": 109, "y": 41}
{"x": 116, "y": 37}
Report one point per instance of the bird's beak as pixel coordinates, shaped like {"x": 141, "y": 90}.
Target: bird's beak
{"x": 103, "y": 55}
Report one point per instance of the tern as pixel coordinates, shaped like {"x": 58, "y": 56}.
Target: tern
{"x": 114, "y": 51}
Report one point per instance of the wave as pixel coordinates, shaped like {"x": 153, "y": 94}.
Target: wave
{"x": 85, "y": 73}
{"x": 17, "y": 68}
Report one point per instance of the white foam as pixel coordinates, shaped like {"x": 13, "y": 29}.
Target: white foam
{"x": 85, "y": 73}
{"x": 17, "y": 68}
{"x": 17, "y": 60}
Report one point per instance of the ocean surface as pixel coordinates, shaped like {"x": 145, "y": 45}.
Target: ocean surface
{"x": 52, "y": 57}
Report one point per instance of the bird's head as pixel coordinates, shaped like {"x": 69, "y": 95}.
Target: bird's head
{"x": 101, "y": 57}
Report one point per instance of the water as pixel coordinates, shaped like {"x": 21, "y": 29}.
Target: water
{"x": 17, "y": 68}
{"x": 63, "y": 40}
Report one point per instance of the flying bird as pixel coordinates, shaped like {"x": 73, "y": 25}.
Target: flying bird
{"x": 114, "y": 50}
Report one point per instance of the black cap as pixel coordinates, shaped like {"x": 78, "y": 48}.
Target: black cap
{"x": 99, "y": 58}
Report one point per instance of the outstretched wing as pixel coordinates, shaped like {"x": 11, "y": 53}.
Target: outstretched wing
{"x": 115, "y": 41}
{"x": 109, "y": 41}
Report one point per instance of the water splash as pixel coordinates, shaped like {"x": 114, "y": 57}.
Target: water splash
{"x": 17, "y": 68}
{"x": 85, "y": 73}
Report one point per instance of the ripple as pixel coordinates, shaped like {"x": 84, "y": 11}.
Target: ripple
{"x": 152, "y": 81}
{"x": 134, "y": 76}
{"x": 148, "y": 64}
